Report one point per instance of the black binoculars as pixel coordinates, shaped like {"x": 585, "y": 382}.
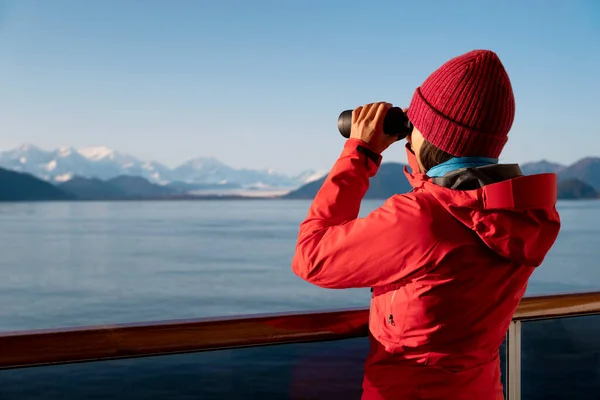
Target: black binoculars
{"x": 395, "y": 123}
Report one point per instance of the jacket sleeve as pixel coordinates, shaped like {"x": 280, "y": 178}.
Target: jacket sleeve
{"x": 335, "y": 248}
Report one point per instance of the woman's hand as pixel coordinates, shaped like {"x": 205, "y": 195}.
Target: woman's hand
{"x": 367, "y": 125}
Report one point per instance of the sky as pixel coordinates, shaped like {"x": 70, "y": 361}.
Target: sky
{"x": 260, "y": 84}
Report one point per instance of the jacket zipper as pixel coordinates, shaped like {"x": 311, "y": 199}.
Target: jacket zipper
{"x": 391, "y": 316}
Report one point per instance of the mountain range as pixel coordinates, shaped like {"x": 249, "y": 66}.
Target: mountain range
{"x": 18, "y": 186}
{"x": 103, "y": 174}
{"x": 102, "y": 163}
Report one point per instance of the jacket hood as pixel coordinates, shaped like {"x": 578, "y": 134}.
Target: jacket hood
{"x": 513, "y": 214}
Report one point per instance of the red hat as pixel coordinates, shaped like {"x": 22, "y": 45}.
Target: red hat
{"x": 466, "y": 107}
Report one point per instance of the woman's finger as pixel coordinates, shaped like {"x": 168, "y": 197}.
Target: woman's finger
{"x": 380, "y": 114}
{"x": 356, "y": 114}
{"x": 373, "y": 110}
{"x": 366, "y": 110}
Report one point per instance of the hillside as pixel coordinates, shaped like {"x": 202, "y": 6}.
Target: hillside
{"x": 586, "y": 170}
{"x": 138, "y": 186}
{"x": 389, "y": 180}
{"x": 572, "y": 188}
{"x": 17, "y": 186}
{"x": 119, "y": 188}
{"x": 184, "y": 187}
{"x": 541, "y": 167}
{"x": 307, "y": 191}
{"x": 91, "y": 189}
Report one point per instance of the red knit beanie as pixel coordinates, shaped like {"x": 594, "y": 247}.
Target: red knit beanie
{"x": 466, "y": 107}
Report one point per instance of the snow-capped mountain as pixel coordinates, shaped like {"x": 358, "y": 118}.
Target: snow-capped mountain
{"x": 211, "y": 170}
{"x": 310, "y": 176}
{"x": 62, "y": 164}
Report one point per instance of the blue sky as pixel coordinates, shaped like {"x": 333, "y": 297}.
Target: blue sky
{"x": 260, "y": 83}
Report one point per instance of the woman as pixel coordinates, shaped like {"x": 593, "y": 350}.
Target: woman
{"x": 449, "y": 261}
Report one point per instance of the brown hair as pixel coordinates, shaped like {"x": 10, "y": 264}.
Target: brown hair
{"x": 430, "y": 156}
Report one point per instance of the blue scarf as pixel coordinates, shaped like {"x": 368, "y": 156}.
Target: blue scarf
{"x": 457, "y": 163}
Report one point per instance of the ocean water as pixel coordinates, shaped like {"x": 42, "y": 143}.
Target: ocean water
{"x": 79, "y": 263}
{"x": 69, "y": 264}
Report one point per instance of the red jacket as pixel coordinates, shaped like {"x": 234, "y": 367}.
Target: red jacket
{"x": 448, "y": 267}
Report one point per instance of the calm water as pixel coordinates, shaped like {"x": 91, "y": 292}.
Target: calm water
{"x": 85, "y": 263}
{"x": 66, "y": 264}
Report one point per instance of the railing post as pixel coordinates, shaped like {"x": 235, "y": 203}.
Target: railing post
{"x": 513, "y": 361}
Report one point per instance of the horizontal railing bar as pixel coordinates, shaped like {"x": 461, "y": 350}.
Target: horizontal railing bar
{"x": 558, "y": 306}
{"x": 103, "y": 342}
